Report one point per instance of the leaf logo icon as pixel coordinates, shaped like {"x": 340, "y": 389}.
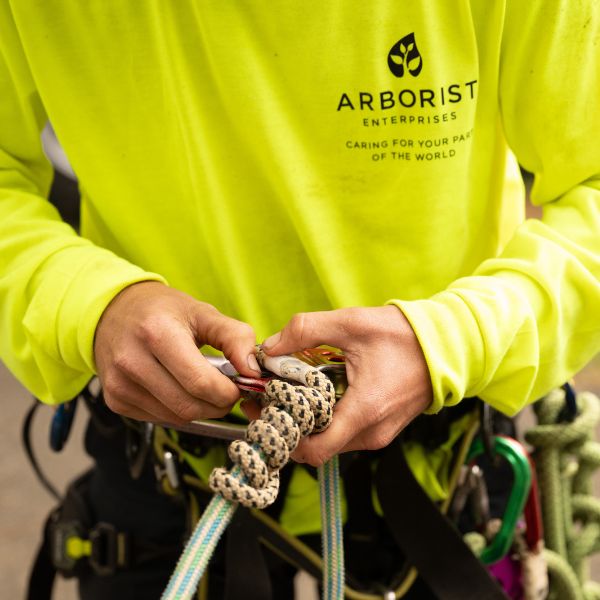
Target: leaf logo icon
{"x": 405, "y": 56}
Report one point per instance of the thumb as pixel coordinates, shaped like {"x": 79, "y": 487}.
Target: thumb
{"x": 318, "y": 448}
{"x": 308, "y": 330}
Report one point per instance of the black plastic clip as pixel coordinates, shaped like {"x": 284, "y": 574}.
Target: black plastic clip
{"x": 110, "y": 549}
{"x": 570, "y": 410}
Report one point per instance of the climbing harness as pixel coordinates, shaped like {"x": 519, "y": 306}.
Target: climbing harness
{"x": 175, "y": 453}
{"x": 289, "y": 413}
{"x": 502, "y": 545}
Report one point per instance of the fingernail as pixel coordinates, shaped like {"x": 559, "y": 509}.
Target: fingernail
{"x": 272, "y": 341}
{"x": 253, "y": 363}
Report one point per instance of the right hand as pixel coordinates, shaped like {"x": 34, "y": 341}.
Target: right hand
{"x": 147, "y": 357}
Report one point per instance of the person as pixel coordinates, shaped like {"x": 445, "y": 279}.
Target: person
{"x": 303, "y": 174}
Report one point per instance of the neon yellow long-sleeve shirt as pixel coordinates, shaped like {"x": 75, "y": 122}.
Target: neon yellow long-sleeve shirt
{"x": 276, "y": 157}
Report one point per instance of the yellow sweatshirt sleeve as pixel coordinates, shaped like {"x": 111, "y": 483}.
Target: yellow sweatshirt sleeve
{"x": 526, "y": 320}
{"x": 54, "y": 284}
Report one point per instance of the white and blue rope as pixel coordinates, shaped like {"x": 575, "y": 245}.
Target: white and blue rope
{"x": 331, "y": 527}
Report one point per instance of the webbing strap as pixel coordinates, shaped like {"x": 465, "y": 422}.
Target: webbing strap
{"x": 43, "y": 572}
{"x": 429, "y": 540}
{"x": 246, "y": 569}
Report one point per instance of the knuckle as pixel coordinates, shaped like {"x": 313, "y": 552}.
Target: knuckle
{"x": 123, "y": 362}
{"x": 373, "y": 411}
{"x": 204, "y": 308}
{"x": 298, "y": 326}
{"x": 195, "y": 383}
{"x": 350, "y": 318}
{"x": 316, "y": 459}
{"x": 379, "y": 439}
{"x": 114, "y": 403}
{"x": 245, "y": 330}
{"x": 112, "y": 386}
{"x": 152, "y": 330}
{"x": 186, "y": 410}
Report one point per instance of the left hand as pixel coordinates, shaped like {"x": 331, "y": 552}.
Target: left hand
{"x": 388, "y": 379}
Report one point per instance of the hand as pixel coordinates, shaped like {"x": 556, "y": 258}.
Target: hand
{"x": 147, "y": 357}
{"x": 388, "y": 378}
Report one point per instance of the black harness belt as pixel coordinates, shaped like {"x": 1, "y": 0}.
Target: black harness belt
{"x": 429, "y": 540}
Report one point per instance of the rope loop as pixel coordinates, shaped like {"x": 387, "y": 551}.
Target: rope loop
{"x": 566, "y": 457}
{"x": 290, "y": 411}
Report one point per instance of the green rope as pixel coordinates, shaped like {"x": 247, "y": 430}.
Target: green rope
{"x": 565, "y": 458}
{"x": 565, "y": 585}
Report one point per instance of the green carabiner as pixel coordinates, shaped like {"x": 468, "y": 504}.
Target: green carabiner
{"x": 516, "y": 455}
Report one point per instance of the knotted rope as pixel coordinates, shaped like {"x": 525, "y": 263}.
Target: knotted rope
{"x": 565, "y": 459}
{"x": 290, "y": 411}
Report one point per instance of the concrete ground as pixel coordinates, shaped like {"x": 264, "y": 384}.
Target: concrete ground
{"x": 24, "y": 504}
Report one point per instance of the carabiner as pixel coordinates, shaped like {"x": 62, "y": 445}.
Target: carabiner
{"x": 516, "y": 455}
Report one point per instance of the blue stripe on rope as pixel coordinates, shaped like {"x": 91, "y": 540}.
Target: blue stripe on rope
{"x": 332, "y": 533}
{"x": 198, "y": 551}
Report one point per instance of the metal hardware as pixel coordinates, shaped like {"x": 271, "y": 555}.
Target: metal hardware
{"x": 516, "y": 455}
{"x": 171, "y": 469}
{"x": 137, "y": 447}
{"x": 209, "y": 428}
{"x": 471, "y": 488}
{"x": 479, "y": 500}
{"x": 329, "y": 361}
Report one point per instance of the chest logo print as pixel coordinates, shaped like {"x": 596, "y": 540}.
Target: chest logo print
{"x": 405, "y": 56}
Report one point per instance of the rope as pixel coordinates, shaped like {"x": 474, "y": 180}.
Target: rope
{"x": 289, "y": 413}
{"x": 331, "y": 523}
{"x": 565, "y": 458}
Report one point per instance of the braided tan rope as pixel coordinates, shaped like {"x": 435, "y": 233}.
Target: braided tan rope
{"x": 290, "y": 412}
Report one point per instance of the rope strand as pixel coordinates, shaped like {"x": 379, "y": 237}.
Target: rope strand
{"x": 289, "y": 412}
{"x": 565, "y": 458}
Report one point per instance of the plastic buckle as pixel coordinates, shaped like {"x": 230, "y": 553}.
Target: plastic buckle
{"x": 61, "y": 532}
{"x": 109, "y": 549}
{"x": 61, "y": 424}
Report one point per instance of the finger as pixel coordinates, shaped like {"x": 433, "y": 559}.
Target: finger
{"x": 347, "y": 422}
{"x": 234, "y": 338}
{"x": 161, "y": 384}
{"x": 383, "y": 432}
{"x": 133, "y": 412}
{"x": 174, "y": 347}
{"x": 308, "y": 330}
{"x": 131, "y": 400}
{"x": 251, "y": 409}
{"x": 374, "y": 438}
{"x": 143, "y": 369}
